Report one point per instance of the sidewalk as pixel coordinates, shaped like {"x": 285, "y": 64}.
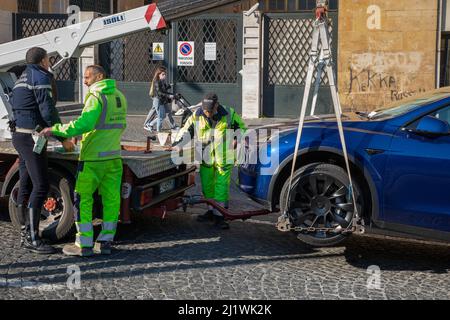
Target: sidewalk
{"x": 135, "y": 125}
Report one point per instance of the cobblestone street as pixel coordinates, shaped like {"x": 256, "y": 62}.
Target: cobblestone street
{"x": 179, "y": 258}
{"x": 114, "y": 112}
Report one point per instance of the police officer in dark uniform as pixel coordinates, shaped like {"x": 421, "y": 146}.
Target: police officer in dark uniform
{"x": 33, "y": 105}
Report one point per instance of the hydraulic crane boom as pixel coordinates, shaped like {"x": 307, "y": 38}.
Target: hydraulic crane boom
{"x": 70, "y": 41}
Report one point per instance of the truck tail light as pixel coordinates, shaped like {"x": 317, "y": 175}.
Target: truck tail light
{"x": 146, "y": 197}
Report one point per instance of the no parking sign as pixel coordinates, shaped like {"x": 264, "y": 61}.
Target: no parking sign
{"x": 186, "y": 50}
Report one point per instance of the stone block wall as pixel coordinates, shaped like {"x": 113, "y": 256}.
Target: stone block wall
{"x": 387, "y": 51}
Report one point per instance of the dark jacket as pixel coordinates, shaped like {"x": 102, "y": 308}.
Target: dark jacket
{"x": 32, "y": 99}
{"x": 161, "y": 91}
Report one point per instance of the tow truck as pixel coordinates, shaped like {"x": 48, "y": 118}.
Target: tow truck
{"x": 152, "y": 183}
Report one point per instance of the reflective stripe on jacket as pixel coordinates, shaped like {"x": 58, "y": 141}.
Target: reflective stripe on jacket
{"x": 102, "y": 123}
{"x": 32, "y": 99}
{"x": 213, "y": 135}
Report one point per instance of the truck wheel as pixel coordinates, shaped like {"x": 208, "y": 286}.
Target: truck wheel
{"x": 319, "y": 200}
{"x": 57, "y": 216}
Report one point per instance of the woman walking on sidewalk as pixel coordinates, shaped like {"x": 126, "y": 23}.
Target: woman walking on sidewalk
{"x": 162, "y": 98}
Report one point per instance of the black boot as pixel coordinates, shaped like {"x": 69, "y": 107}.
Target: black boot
{"x": 208, "y": 216}
{"x": 24, "y": 222}
{"x": 220, "y": 223}
{"x": 32, "y": 241}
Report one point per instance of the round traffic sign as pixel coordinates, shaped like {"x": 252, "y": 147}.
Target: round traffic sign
{"x": 186, "y": 49}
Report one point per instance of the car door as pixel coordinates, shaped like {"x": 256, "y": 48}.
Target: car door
{"x": 417, "y": 179}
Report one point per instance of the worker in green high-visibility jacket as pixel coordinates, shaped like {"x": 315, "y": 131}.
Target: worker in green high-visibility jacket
{"x": 216, "y": 127}
{"x": 101, "y": 124}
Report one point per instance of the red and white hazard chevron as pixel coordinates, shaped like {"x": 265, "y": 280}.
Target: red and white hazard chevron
{"x": 154, "y": 18}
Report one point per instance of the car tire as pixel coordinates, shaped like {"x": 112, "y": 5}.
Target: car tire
{"x": 299, "y": 216}
{"x": 56, "y": 225}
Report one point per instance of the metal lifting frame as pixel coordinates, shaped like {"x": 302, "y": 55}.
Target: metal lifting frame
{"x": 324, "y": 61}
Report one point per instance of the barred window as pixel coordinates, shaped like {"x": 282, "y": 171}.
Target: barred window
{"x": 294, "y": 5}
{"x": 100, "y": 6}
{"x": 224, "y": 33}
{"x": 29, "y": 25}
{"x": 28, "y": 6}
{"x": 289, "y": 48}
{"x": 129, "y": 58}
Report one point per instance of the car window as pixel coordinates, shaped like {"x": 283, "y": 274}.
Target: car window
{"x": 400, "y": 109}
{"x": 377, "y": 115}
{"x": 442, "y": 114}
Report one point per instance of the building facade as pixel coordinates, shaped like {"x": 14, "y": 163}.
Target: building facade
{"x": 384, "y": 51}
{"x": 388, "y": 51}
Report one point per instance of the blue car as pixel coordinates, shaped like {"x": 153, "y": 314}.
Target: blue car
{"x": 400, "y": 164}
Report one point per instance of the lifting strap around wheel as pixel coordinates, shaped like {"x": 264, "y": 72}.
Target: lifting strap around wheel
{"x": 321, "y": 33}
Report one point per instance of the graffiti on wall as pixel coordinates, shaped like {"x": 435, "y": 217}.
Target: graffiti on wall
{"x": 400, "y": 95}
{"x": 368, "y": 80}
{"x": 385, "y": 72}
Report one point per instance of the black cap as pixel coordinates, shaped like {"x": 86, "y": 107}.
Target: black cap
{"x": 209, "y": 101}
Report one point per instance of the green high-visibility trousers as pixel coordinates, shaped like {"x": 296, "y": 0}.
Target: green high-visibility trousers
{"x": 106, "y": 177}
{"x": 216, "y": 182}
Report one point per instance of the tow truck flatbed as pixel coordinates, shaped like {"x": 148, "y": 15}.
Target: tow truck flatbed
{"x": 152, "y": 184}
{"x": 141, "y": 163}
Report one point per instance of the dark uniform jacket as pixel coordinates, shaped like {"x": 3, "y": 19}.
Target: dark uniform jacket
{"x": 32, "y": 99}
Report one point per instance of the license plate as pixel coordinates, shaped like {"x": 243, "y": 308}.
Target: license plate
{"x": 167, "y": 186}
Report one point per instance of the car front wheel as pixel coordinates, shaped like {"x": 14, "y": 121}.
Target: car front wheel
{"x": 320, "y": 204}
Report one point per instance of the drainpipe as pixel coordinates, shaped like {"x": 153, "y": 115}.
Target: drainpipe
{"x": 438, "y": 51}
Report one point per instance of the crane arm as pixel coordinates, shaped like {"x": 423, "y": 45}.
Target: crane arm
{"x": 70, "y": 41}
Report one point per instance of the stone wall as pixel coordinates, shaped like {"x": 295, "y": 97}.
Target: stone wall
{"x": 6, "y": 31}
{"x": 124, "y": 5}
{"x": 54, "y": 6}
{"x": 8, "y": 5}
{"x": 387, "y": 51}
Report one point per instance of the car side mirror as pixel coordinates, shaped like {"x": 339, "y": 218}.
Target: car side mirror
{"x": 432, "y": 127}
